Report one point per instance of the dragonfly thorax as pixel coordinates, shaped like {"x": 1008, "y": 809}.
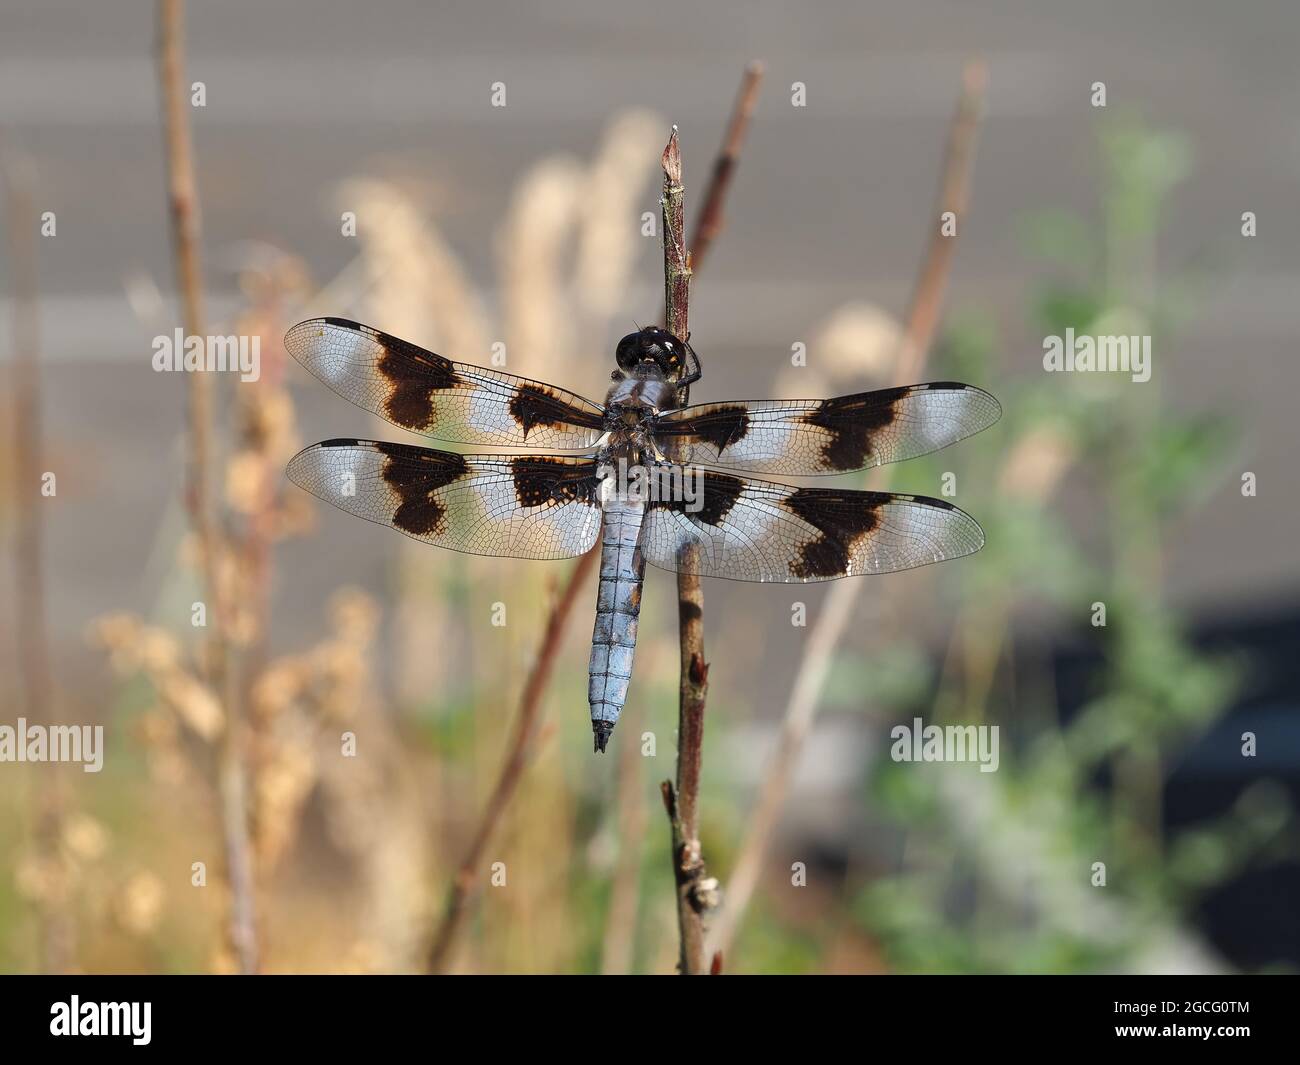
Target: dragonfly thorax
{"x": 643, "y": 389}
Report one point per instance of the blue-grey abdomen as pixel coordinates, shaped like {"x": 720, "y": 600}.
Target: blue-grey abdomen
{"x": 618, "y": 604}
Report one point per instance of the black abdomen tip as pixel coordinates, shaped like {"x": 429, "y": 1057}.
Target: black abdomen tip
{"x": 601, "y": 731}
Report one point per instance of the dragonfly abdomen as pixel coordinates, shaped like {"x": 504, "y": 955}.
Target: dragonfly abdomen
{"x": 618, "y": 604}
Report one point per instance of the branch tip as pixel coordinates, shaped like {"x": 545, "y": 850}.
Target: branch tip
{"x": 671, "y": 160}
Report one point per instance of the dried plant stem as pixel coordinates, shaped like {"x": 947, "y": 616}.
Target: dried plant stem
{"x": 837, "y": 611}
{"x": 37, "y": 685}
{"x": 621, "y": 919}
{"x": 468, "y": 878}
{"x": 696, "y": 892}
{"x": 954, "y": 196}
{"x": 201, "y": 490}
{"x": 711, "y": 218}
{"x": 682, "y": 802}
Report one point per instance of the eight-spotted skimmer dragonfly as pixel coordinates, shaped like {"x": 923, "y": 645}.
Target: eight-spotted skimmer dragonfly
{"x": 555, "y": 506}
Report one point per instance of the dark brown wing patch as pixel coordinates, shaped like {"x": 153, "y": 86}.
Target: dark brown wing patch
{"x": 720, "y": 493}
{"x": 721, "y": 426}
{"x": 413, "y": 375}
{"x": 534, "y": 405}
{"x": 850, "y": 421}
{"x": 841, "y": 518}
{"x": 415, "y": 475}
{"x": 540, "y": 481}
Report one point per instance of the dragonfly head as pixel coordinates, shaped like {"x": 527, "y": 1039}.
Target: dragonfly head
{"x": 655, "y": 347}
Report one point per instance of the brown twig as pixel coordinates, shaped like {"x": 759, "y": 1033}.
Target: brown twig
{"x": 696, "y": 892}
{"x": 711, "y": 218}
{"x": 33, "y": 666}
{"x": 682, "y": 803}
{"x": 837, "y": 611}
{"x": 200, "y": 489}
{"x": 954, "y": 196}
{"x": 468, "y": 877}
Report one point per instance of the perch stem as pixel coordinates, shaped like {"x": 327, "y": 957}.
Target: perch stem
{"x": 695, "y": 892}
{"x": 682, "y": 801}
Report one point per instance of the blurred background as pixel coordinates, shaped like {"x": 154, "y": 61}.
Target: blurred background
{"x": 476, "y": 225}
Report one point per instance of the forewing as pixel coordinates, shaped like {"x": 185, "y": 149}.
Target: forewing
{"x": 517, "y": 506}
{"x": 757, "y": 531}
{"x": 425, "y": 393}
{"x": 808, "y": 436}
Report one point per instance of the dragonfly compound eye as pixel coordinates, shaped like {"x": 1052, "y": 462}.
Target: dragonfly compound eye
{"x": 651, "y": 344}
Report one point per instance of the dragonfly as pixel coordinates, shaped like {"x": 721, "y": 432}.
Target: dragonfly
{"x": 649, "y": 478}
